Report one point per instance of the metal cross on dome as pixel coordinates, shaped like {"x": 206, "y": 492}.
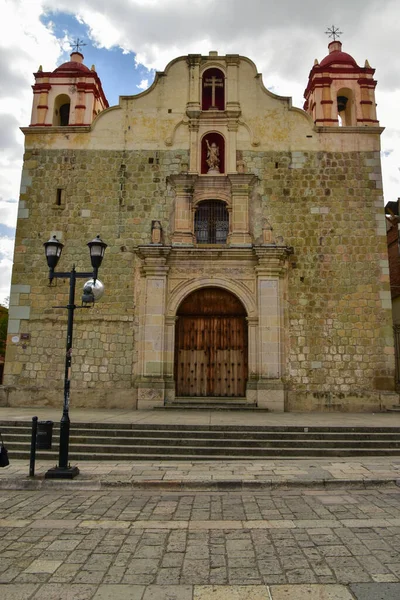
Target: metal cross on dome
{"x": 77, "y": 45}
{"x": 334, "y": 32}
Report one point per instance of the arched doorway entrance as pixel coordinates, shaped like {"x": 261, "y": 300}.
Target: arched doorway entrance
{"x": 211, "y": 345}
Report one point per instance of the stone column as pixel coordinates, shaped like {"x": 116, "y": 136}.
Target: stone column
{"x": 230, "y": 154}
{"x": 169, "y": 359}
{"x": 193, "y": 107}
{"x": 231, "y": 88}
{"x": 241, "y": 185}
{"x": 80, "y": 106}
{"x": 271, "y": 269}
{"x": 151, "y": 384}
{"x": 41, "y": 103}
{"x": 367, "y": 102}
{"x": 252, "y": 329}
{"x": 327, "y": 102}
{"x": 183, "y": 223}
{"x": 195, "y": 151}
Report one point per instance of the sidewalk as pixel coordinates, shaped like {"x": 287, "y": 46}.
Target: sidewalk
{"x": 209, "y": 475}
{"x": 206, "y": 417}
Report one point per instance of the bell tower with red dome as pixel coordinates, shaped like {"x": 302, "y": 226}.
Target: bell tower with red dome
{"x": 339, "y": 92}
{"x": 72, "y": 94}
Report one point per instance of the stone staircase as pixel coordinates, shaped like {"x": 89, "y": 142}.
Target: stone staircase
{"x": 209, "y": 403}
{"x": 119, "y": 442}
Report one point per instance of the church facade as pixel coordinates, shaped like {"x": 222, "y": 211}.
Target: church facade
{"x": 246, "y": 257}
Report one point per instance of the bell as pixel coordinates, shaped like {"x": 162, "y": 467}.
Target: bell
{"x": 341, "y": 103}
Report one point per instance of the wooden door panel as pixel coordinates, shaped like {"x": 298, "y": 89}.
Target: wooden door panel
{"x": 192, "y": 373}
{"x": 211, "y": 356}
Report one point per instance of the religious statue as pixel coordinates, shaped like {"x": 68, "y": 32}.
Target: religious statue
{"x": 212, "y": 156}
{"x": 156, "y": 232}
{"x": 267, "y": 233}
{"x": 240, "y": 166}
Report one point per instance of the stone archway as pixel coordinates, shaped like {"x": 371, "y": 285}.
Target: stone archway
{"x": 211, "y": 347}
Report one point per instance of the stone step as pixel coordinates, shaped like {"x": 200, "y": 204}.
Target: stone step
{"x": 211, "y": 400}
{"x": 118, "y": 441}
{"x": 204, "y": 406}
{"x": 87, "y": 426}
{"x": 24, "y": 434}
{"x": 125, "y": 437}
{"x": 94, "y": 442}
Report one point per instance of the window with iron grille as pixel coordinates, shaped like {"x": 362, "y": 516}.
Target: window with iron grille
{"x": 211, "y": 222}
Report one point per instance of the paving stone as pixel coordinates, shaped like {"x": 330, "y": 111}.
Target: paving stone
{"x": 169, "y": 576}
{"x": 311, "y": 592}
{"x": 384, "y": 578}
{"x": 17, "y": 591}
{"x": 231, "y": 592}
{"x": 168, "y": 592}
{"x": 56, "y": 591}
{"x": 14, "y": 523}
{"x": 376, "y": 591}
{"x": 142, "y": 565}
{"x": 43, "y": 566}
{"x": 54, "y": 524}
{"x": 119, "y": 592}
{"x": 104, "y": 524}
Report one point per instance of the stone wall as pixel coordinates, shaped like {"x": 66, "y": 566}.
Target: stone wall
{"x": 337, "y": 345}
{"x": 116, "y": 195}
{"x": 329, "y": 207}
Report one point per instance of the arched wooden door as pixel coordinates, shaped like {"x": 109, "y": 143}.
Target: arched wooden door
{"x": 211, "y": 345}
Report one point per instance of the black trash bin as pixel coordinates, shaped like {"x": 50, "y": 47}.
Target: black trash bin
{"x": 44, "y": 435}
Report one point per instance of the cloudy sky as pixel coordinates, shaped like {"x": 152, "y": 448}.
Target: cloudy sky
{"x": 128, "y": 40}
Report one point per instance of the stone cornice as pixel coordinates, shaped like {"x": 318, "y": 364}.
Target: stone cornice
{"x": 51, "y": 129}
{"x": 153, "y": 252}
{"x": 350, "y": 130}
{"x": 272, "y": 260}
{"x": 182, "y": 180}
{"x": 155, "y": 258}
{"x": 180, "y": 254}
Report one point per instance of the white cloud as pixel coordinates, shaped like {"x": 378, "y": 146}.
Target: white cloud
{"x": 143, "y": 85}
{"x": 6, "y": 254}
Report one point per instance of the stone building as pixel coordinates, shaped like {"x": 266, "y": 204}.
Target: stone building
{"x": 246, "y": 255}
{"x": 392, "y": 226}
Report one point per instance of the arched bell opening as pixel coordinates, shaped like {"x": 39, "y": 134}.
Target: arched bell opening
{"x": 345, "y": 107}
{"x": 62, "y": 105}
{"x": 211, "y": 345}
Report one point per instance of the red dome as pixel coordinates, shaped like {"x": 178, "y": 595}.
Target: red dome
{"x": 75, "y": 64}
{"x": 72, "y": 66}
{"x": 336, "y": 56}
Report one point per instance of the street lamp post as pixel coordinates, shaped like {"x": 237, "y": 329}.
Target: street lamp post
{"x": 53, "y": 249}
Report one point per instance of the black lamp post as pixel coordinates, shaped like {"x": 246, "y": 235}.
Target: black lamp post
{"x": 53, "y": 249}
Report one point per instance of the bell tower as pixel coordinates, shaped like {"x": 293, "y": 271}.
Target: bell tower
{"x": 339, "y": 92}
{"x": 72, "y": 94}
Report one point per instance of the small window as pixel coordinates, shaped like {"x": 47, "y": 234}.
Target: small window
{"x": 211, "y": 223}
{"x": 60, "y": 197}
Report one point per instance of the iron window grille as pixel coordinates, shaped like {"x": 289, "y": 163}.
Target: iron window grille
{"x": 211, "y": 222}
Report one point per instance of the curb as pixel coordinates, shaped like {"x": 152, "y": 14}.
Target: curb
{"x": 39, "y": 483}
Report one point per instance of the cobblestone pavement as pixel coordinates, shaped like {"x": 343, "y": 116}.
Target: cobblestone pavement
{"x": 120, "y": 544}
